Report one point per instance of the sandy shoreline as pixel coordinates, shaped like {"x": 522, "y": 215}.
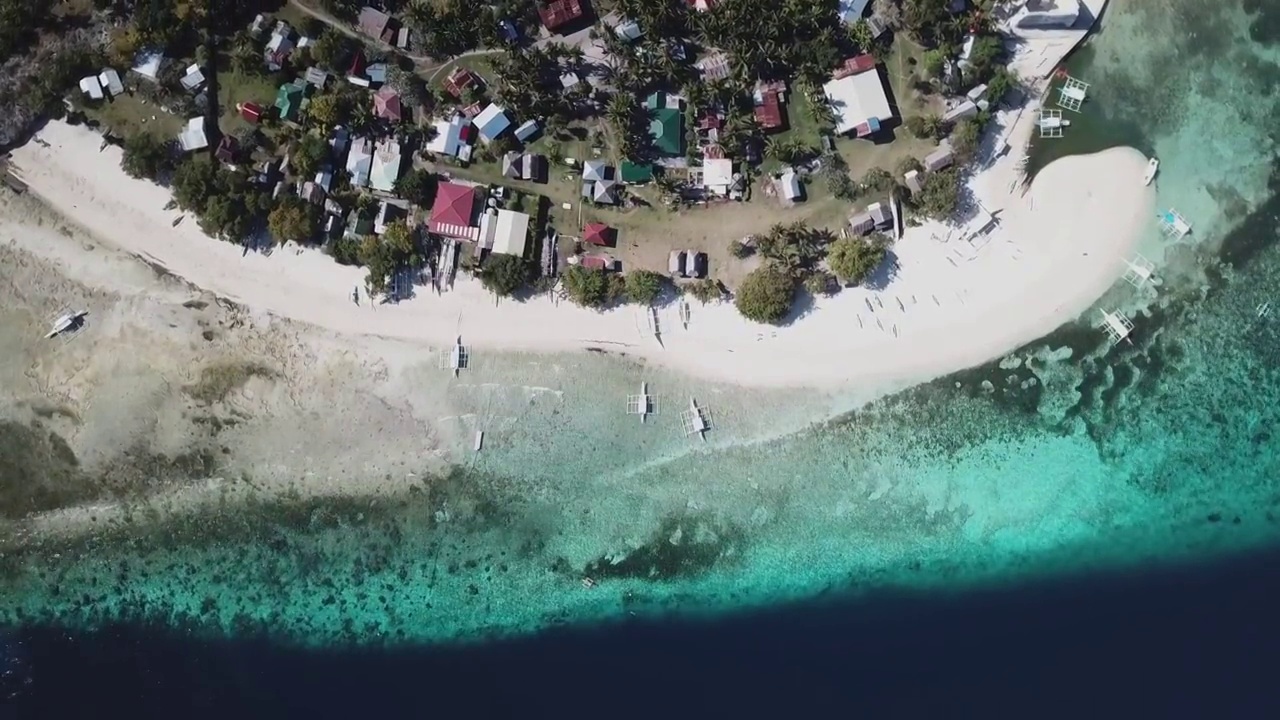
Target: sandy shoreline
{"x": 949, "y": 306}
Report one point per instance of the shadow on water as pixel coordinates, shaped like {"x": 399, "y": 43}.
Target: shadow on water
{"x": 1192, "y": 641}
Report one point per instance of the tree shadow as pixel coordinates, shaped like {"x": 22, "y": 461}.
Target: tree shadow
{"x": 883, "y": 274}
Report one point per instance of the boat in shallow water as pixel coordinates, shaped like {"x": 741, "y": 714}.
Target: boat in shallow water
{"x": 1153, "y": 166}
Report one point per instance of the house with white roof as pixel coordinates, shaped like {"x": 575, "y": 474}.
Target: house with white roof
{"x": 505, "y": 232}
{"x": 448, "y": 139}
{"x": 193, "y": 78}
{"x": 360, "y": 161}
{"x": 492, "y": 122}
{"x": 193, "y": 136}
{"x": 110, "y": 81}
{"x": 858, "y": 98}
{"x": 717, "y": 176}
{"x": 92, "y": 87}
{"x": 385, "y": 168}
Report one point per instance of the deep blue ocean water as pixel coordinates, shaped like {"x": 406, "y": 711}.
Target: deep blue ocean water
{"x": 1196, "y": 635}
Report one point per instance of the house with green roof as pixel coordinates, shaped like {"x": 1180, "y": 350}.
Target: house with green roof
{"x": 289, "y": 99}
{"x": 666, "y": 124}
{"x": 635, "y": 173}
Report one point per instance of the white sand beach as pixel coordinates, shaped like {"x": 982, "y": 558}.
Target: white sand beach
{"x": 946, "y": 305}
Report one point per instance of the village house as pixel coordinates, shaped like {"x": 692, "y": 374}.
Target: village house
{"x": 448, "y": 137}
{"x": 913, "y": 181}
{"x": 91, "y": 87}
{"x": 527, "y": 130}
{"x": 385, "y": 168}
{"x": 193, "y": 78}
{"x": 939, "y": 159}
{"x": 524, "y": 166}
{"x": 769, "y": 111}
{"x": 193, "y": 135}
{"x": 857, "y": 95}
{"x": 875, "y": 217}
{"x": 556, "y": 15}
{"x": 717, "y": 176}
{"x": 251, "y": 112}
{"x": 505, "y": 232}
{"x": 789, "y": 186}
{"x": 376, "y": 24}
{"x": 667, "y": 123}
{"x": 147, "y": 64}
{"x": 110, "y": 81}
{"x": 599, "y": 234}
{"x": 459, "y": 80}
{"x": 598, "y": 183}
{"x": 492, "y": 122}
{"x": 227, "y": 150}
{"x": 453, "y": 213}
{"x": 279, "y": 46}
{"x": 289, "y": 99}
{"x": 713, "y": 66}
{"x": 360, "y": 161}
{"x": 387, "y": 105}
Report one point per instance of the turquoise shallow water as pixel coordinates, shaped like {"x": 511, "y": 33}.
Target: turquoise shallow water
{"x": 1064, "y": 457}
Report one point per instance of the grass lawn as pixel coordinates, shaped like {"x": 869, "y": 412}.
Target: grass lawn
{"x": 801, "y": 125}
{"x": 235, "y": 87}
{"x": 131, "y": 114}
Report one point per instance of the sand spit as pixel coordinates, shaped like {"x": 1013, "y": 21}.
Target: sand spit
{"x": 942, "y": 306}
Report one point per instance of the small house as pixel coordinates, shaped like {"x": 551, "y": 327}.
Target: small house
{"x": 459, "y": 80}
{"x": 913, "y": 181}
{"x": 558, "y": 14}
{"x": 963, "y": 110}
{"x": 453, "y": 213}
{"x": 193, "y": 78}
{"x": 316, "y": 77}
{"x": 227, "y": 150}
{"x": 402, "y": 38}
{"x": 377, "y": 73}
{"x": 448, "y": 137}
{"x": 289, "y": 99}
{"x": 91, "y": 87}
{"x": 717, "y": 176}
{"x": 492, "y": 122}
{"x": 375, "y": 24}
{"x": 279, "y": 46}
{"x": 666, "y": 125}
{"x": 713, "y": 66}
{"x": 599, "y": 234}
{"x": 880, "y": 215}
{"x": 384, "y": 170}
{"x": 628, "y": 30}
{"x": 524, "y": 166}
{"x": 110, "y": 81}
{"x": 569, "y": 80}
{"x": 789, "y": 185}
{"x": 509, "y": 31}
{"x": 147, "y": 64}
{"x": 193, "y": 135}
{"x": 251, "y": 112}
{"x": 597, "y": 262}
{"x": 939, "y": 159}
{"x": 527, "y": 130}
{"x": 508, "y": 233}
{"x": 360, "y": 161}
{"x": 769, "y": 112}
{"x": 387, "y": 105}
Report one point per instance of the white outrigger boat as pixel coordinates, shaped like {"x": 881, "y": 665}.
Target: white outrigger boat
{"x": 696, "y": 420}
{"x": 1153, "y": 167}
{"x": 643, "y": 404}
{"x": 67, "y": 323}
{"x": 457, "y": 359}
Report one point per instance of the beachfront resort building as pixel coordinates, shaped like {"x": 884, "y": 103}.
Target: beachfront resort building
{"x": 505, "y": 232}
{"x": 666, "y": 123}
{"x": 1046, "y": 15}
{"x": 858, "y": 98}
{"x": 453, "y": 214}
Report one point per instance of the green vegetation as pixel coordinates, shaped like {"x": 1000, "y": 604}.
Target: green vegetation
{"x": 418, "y": 187}
{"x": 938, "y": 196}
{"x": 705, "y": 290}
{"x": 853, "y": 258}
{"x": 146, "y": 156}
{"x": 765, "y": 295}
{"x": 593, "y": 288}
{"x": 644, "y": 286}
{"x": 228, "y": 205}
{"x": 220, "y": 379}
{"x": 503, "y": 274}
{"x": 293, "y": 219}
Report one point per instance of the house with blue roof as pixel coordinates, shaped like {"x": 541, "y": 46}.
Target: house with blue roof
{"x": 492, "y": 122}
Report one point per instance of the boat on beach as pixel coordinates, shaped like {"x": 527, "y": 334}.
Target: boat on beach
{"x": 1153, "y": 166}
{"x": 67, "y": 323}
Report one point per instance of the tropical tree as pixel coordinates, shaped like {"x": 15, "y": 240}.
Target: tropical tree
{"x": 939, "y": 195}
{"x": 644, "y": 286}
{"x": 504, "y": 274}
{"x": 292, "y": 220}
{"x": 145, "y": 156}
{"x": 766, "y": 295}
{"x": 852, "y": 258}
{"x": 418, "y": 186}
{"x": 309, "y": 155}
{"x": 592, "y": 288}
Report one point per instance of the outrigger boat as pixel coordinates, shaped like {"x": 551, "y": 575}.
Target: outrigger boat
{"x": 1153, "y": 167}
{"x": 67, "y": 323}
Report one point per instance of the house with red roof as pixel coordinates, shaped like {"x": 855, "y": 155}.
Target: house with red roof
{"x": 770, "y": 114}
{"x": 453, "y": 214}
{"x": 599, "y": 234}
{"x": 556, "y": 14}
{"x": 459, "y": 80}
{"x": 386, "y": 104}
{"x": 251, "y": 112}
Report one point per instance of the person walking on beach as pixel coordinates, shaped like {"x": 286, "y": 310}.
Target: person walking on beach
{"x": 355, "y": 295}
